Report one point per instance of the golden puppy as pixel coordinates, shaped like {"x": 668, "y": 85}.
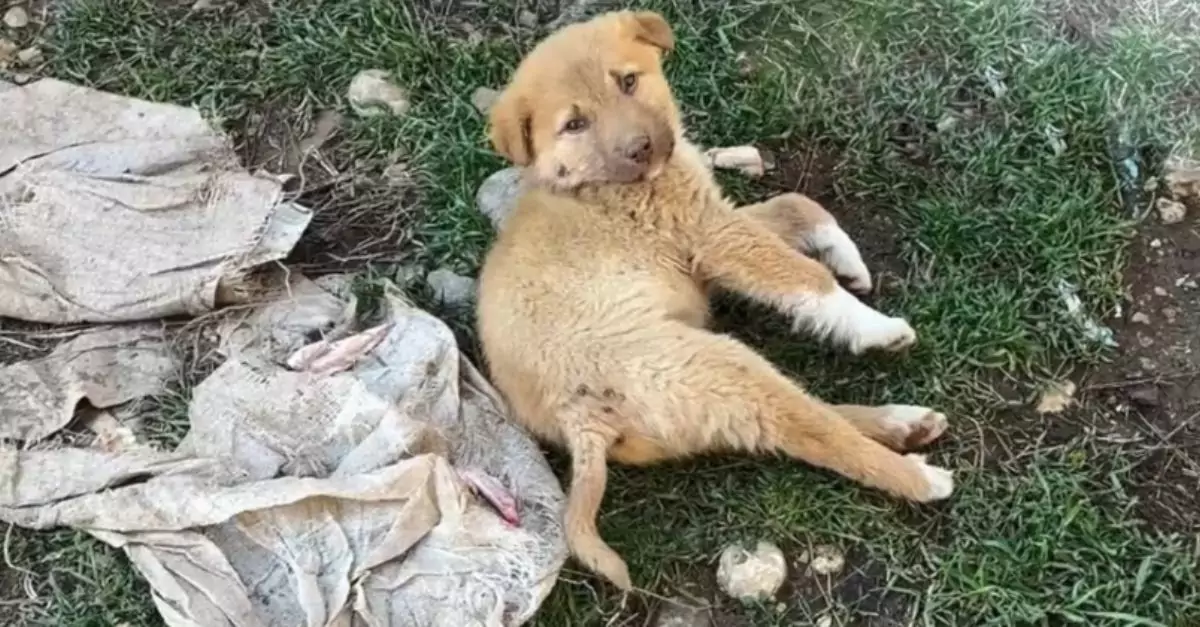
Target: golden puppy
{"x": 593, "y": 300}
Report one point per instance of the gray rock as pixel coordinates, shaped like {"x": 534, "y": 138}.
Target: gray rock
{"x": 450, "y": 288}
{"x": 16, "y": 17}
{"x": 497, "y": 196}
{"x": 483, "y": 98}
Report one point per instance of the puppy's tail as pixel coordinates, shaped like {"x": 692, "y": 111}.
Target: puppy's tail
{"x": 589, "y": 476}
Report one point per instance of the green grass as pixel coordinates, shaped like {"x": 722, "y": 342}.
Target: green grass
{"x": 940, "y": 116}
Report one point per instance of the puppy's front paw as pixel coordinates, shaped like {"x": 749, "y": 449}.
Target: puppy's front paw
{"x": 890, "y": 334}
{"x": 939, "y": 482}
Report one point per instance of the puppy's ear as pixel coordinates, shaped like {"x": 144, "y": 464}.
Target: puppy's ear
{"x": 510, "y": 132}
{"x": 652, "y": 28}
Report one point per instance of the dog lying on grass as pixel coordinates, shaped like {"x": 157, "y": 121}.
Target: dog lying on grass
{"x": 594, "y": 298}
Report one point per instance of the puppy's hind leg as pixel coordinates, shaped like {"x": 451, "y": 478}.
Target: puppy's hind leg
{"x": 711, "y": 392}
{"x": 809, "y": 228}
{"x": 589, "y": 477}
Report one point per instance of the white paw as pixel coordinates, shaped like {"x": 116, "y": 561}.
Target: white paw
{"x": 914, "y": 426}
{"x": 891, "y": 334}
{"x": 939, "y": 481}
{"x": 838, "y": 251}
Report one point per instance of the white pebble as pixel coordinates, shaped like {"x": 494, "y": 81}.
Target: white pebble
{"x": 751, "y": 575}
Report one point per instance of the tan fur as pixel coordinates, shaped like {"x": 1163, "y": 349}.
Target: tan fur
{"x": 593, "y": 300}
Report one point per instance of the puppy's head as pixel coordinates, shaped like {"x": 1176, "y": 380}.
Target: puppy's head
{"x": 590, "y": 103}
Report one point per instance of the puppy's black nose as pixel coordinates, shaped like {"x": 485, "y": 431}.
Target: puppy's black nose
{"x": 638, "y": 149}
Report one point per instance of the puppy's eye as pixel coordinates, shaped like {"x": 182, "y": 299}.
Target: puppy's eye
{"x": 575, "y": 125}
{"x": 628, "y": 83}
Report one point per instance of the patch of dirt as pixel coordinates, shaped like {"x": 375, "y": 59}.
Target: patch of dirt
{"x": 363, "y": 210}
{"x": 1153, "y": 386}
{"x": 861, "y": 587}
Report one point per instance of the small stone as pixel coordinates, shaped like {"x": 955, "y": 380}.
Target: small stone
{"x": 1170, "y": 211}
{"x": 1159, "y": 291}
{"x": 947, "y": 122}
{"x": 30, "y": 56}
{"x": 16, "y": 17}
{"x": 1056, "y": 397}
{"x": 483, "y": 98}
{"x": 1156, "y": 243}
{"x": 680, "y": 612}
{"x": 372, "y": 92}
{"x": 825, "y": 560}
{"x": 751, "y": 575}
{"x": 204, "y": 5}
{"x": 1170, "y": 313}
{"x": 1146, "y": 397}
{"x": 1145, "y": 341}
{"x": 1140, "y": 318}
{"x": 824, "y": 621}
{"x": 1182, "y": 178}
{"x": 1147, "y": 364}
{"x": 498, "y": 194}
{"x": 8, "y": 50}
{"x": 450, "y": 288}
{"x": 527, "y": 18}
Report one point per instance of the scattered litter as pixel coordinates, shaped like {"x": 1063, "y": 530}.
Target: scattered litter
{"x": 681, "y": 612}
{"x": 1056, "y": 397}
{"x": 947, "y": 122}
{"x": 346, "y": 495}
{"x": 483, "y": 98}
{"x": 1093, "y": 330}
{"x": 372, "y": 92}
{"x": 745, "y": 159}
{"x": 825, "y": 620}
{"x": 324, "y": 357}
{"x": 1054, "y": 136}
{"x": 751, "y": 575}
{"x": 497, "y": 196}
{"x": 336, "y": 471}
{"x": 1127, "y": 160}
{"x": 106, "y": 367}
{"x": 824, "y": 560}
{"x": 451, "y": 289}
{"x": 16, "y": 17}
{"x": 995, "y": 81}
{"x": 87, "y": 169}
{"x": 1170, "y": 211}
